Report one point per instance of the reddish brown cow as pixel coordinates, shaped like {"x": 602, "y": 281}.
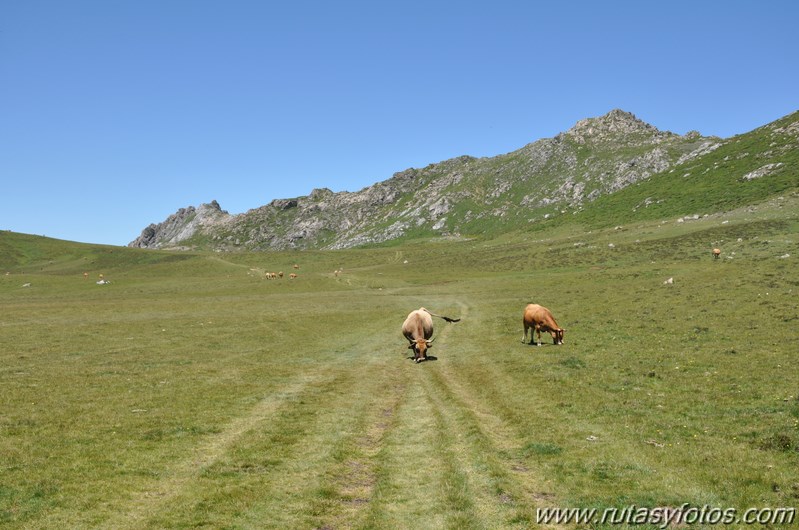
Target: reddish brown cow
{"x": 418, "y": 329}
{"x": 540, "y": 318}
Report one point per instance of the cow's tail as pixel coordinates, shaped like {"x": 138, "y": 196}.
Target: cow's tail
{"x": 448, "y": 319}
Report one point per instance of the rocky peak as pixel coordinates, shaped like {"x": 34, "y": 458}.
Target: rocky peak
{"x": 213, "y": 206}
{"x": 615, "y": 121}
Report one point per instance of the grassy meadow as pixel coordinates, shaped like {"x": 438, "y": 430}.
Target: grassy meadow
{"x": 192, "y": 392}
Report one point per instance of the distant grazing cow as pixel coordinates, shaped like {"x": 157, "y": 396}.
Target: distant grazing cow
{"x": 280, "y": 275}
{"x": 296, "y": 266}
{"x": 418, "y": 329}
{"x": 716, "y": 253}
{"x": 292, "y": 276}
{"x": 540, "y": 318}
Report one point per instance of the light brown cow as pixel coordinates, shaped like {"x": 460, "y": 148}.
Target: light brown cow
{"x": 716, "y": 253}
{"x": 280, "y": 275}
{"x": 296, "y": 266}
{"x": 540, "y": 318}
{"x": 292, "y": 276}
{"x": 418, "y": 329}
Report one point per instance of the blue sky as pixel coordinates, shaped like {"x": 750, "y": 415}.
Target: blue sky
{"x": 115, "y": 114}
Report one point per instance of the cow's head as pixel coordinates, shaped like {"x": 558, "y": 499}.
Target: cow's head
{"x": 557, "y": 336}
{"x": 420, "y": 347}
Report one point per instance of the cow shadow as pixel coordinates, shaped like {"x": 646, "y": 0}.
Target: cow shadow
{"x": 544, "y": 344}
{"x": 429, "y": 358}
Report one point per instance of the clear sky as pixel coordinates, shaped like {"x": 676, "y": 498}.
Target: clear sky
{"x": 114, "y": 114}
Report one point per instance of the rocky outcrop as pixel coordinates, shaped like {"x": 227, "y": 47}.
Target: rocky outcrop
{"x": 181, "y": 225}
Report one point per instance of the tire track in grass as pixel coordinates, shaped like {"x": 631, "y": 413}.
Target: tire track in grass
{"x": 457, "y": 486}
{"x": 479, "y": 490}
{"x": 273, "y": 476}
{"x": 296, "y": 491}
{"x": 354, "y": 479}
{"x": 470, "y": 455}
{"x": 179, "y": 477}
{"x": 409, "y": 471}
{"x": 237, "y": 474}
{"x": 417, "y": 484}
{"x": 385, "y": 390}
{"x": 527, "y": 488}
{"x": 502, "y": 486}
{"x": 288, "y": 474}
{"x": 340, "y": 472}
{"x": 499, "y": 498}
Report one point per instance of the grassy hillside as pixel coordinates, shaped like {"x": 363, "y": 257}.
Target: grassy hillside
{"x": 190, "y": 391}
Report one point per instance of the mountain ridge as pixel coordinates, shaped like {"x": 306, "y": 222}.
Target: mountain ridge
{"x": 457, "y": 197}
